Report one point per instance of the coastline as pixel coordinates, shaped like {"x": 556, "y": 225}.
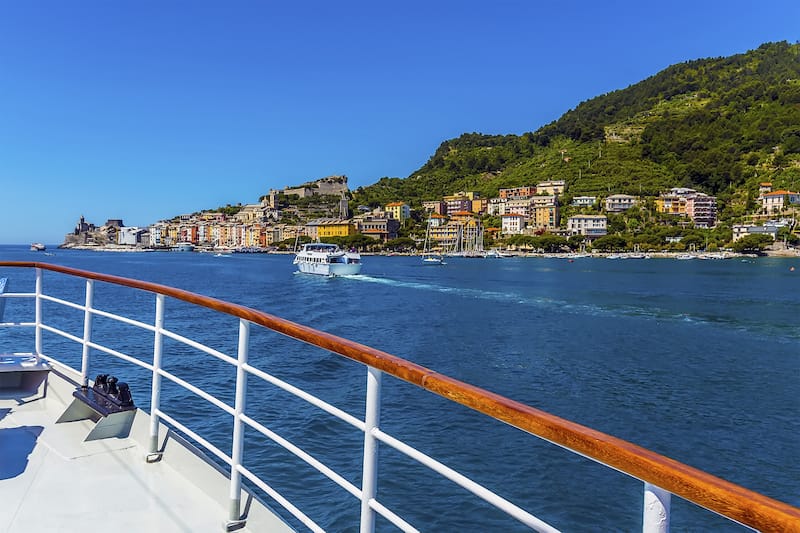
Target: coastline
{"x": 782, "y": 253}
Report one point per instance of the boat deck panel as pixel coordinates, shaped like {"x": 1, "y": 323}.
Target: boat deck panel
{"x": 51, "y": 479}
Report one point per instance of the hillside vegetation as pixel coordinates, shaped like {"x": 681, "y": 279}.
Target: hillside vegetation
{"x": 718, "y": 125}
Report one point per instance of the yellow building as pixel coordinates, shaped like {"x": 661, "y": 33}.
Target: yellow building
{"x": 332, "y": 227}
{"x": 464, "y": 217}
{"x": 671, "y": 205}
{"x": 398, "y": 211}
{"x": 544, "y": 216}
{"x": 173, "y": 234}
{"x": 461, "y": 195}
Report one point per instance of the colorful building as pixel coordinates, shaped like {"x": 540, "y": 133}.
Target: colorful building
{"x": 398, "y": 211}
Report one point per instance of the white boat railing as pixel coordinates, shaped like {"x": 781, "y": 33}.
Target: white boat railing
{"x": 661, "y": 476}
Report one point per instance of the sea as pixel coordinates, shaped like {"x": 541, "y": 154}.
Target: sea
{"x": 698, "y": 360}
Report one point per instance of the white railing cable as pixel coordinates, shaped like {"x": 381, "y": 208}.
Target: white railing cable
{"x": 124, "y": 320}
{"x": 200, "y": 440}
{"x": 51, "y": 329}
{"x": 310, "y": 398}
{"x": 65, "y": 303}
{"x": 120, "y": 355}
{"x": 463, "y": 481}
{"x": 391, "y": 517}
{"x": 202, "y": 347}
{"x": 17, "y": 324}
{"x": 283, "y": 502}
{"x": 199, "y": 392}
{"x": 301, "y": 454}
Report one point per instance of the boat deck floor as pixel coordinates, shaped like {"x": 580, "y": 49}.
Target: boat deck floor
{"x": 51, "y": 479}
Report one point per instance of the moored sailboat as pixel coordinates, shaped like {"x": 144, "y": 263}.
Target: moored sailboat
{"x": 428, "y": 257}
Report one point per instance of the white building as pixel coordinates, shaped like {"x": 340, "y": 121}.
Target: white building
{"x": 584, "y": 201}
{"x": 592, "y": 226}
{"x": 742, "y": 230}
{"x": 617, "y": 203}
{"x": 773, "y": 202}
{"x": 518, "y": 206}
{"x": 129, "y": 235}
{"x": 496, "y": 206}
{"x": 158, "y": 234}
{"x": 512, "y": 224}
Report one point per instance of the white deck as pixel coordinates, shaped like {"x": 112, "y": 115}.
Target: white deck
{"x": 52, "y": 480}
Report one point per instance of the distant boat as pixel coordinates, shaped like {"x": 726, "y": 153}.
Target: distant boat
{"x": 497, "y": 253}
{"x": 327, "y": 260}
{"x": 38, "y": 247}
{"x": 183, "y": 247}
{"x": 433, "y": 260}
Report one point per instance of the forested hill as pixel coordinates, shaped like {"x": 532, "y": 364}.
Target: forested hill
{"x": 719, "y": 125}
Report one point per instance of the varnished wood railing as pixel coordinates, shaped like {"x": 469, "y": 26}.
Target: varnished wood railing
{"x": 728, "y": 499}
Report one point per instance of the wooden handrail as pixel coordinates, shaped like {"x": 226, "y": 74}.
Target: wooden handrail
{"x": 728, "y": 499}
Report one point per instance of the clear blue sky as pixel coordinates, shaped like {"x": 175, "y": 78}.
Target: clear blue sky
{"x": 142, "y": 110}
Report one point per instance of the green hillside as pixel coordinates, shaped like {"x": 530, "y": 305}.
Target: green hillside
{"x": 718, "y": 125}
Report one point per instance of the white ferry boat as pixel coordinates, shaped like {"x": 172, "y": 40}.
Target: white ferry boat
{"x": 38, "y": 247}
{"x": 77, "y": 454}
{"x": 183, "y": 247}
{"x": 327, "y": 260}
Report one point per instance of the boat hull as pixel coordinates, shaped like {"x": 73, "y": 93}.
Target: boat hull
{"x": 329, "y": 269}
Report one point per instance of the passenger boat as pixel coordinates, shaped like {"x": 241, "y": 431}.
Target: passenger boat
{"x": 77, "y": 455}
{"x": 183, "y": 247}
{"x": 327, "y": 260}
{"x": 38, "y": 247}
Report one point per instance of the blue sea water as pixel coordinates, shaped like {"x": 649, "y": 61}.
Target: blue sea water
{"x": 697, "y": 360}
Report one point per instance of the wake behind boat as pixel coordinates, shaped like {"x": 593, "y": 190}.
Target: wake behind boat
{"x": 327, "y": 260}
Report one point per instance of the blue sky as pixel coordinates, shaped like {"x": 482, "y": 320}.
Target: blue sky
{"x": 142, "y": 110}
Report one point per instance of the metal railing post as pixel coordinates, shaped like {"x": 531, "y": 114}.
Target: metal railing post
{"x": 655, "y": 517}
{"x": 237, "y": 452}
{"x": 87, "y": 332}
{"x": 369, "y": 481}
{"x": 155, "y": 394}
{"x": 38, "y": 316}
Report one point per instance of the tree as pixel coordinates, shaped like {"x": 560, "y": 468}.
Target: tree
{"x": 575, "y": 241}
{"x": 752, "y": 244}
{"x": 401, "y": 244}
{"x": 551, "y": 243}
{"x": 610, "y": 243}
